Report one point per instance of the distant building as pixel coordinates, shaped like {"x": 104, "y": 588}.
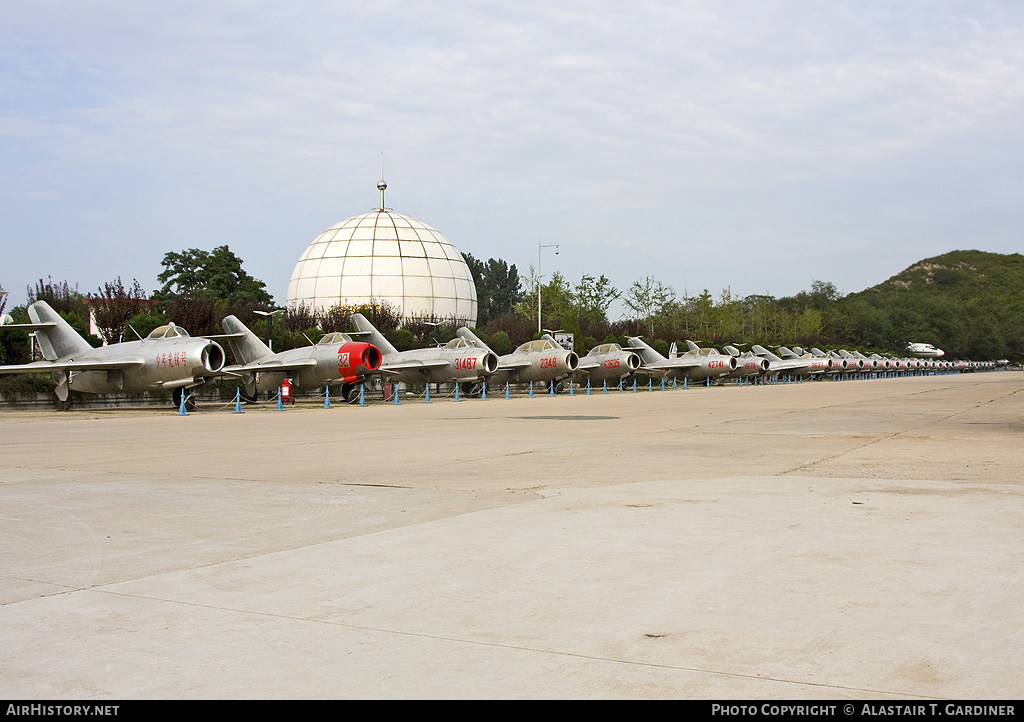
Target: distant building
{"x": 384, "y": 256}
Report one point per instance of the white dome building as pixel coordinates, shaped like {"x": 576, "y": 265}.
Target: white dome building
{"x": 385, "y": 256}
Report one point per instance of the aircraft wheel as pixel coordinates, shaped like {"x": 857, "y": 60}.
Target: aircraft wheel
{"x": 350, "y": 392}
{"x": 468, "y": 388}
{"x": 64, "y": 405}
{"x": 190, "y": 398}
{"x": 247, "y": 398}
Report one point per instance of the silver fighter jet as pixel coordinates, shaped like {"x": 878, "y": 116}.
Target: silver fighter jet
{"x": 791, "y": 363}
{"x": 335, "y": 359}
{"x": 608, "y": 362}
{"x": 167, "y": 359}
{"x": 694, "y": 365}
{"x": 543, "y": 360}
{"x": 459, "y": 360}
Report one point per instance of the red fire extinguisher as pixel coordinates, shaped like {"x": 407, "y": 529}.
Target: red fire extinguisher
{"x": 286, "y": 391}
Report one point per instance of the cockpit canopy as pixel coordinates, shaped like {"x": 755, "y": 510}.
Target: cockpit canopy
{"x": 334, "y": 337}
{"x": 606, "y": 348}
{"x": 541, "y": 345}
{"x": 458, "y": 343}
{"x": 167, "y": 331}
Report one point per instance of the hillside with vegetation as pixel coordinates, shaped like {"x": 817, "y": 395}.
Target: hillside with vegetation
{"x": 969, "y": 303}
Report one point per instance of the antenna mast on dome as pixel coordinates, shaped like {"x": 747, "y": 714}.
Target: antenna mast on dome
{"x": 381, "y": 185}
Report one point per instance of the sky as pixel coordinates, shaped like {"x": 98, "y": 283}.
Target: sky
{"x": 748, "y": 146}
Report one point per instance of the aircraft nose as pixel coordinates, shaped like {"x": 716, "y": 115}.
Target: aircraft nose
{"x": 490, "y": 363}
{"x": 572, "y": 361}
{"x": 371, "y": 358}
{"x": 213, "y": 357}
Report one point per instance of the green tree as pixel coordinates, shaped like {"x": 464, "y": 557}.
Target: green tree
{"x": 114, "y": 305}
{"x": 592, "y": 297}
{"x": 497, "y": 287}
{"x": 217, "y": 274}
{"x": 648, "y": 299}
{"x": 202, "y": 287}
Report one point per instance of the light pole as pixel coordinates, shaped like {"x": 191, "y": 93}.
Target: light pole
{"x": 270, "y": 340}
{"x": 270, "y": 325}
{"x": 539, "y": 247}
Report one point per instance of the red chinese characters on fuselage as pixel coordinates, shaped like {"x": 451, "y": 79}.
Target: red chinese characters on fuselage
{"x": 174, "y": 359}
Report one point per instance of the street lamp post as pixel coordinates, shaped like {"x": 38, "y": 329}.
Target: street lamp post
{"x": 270, "y": 340}
{"x": 539, "y": 247}
{"x": 270, "y": 325}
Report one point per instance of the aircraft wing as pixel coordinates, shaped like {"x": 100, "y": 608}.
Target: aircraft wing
{"x": 514, "y": 365}
{"x": 679, "y": 362}
{"x": 414, "y": 364}
{"x": 587, "y": 363}
{"x": 42, "y": 367}
{"x": 270, "y": 367}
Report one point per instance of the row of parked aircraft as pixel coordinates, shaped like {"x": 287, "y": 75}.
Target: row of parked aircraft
{"x": 170, "y": 359}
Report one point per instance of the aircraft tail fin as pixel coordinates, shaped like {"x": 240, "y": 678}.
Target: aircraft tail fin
{"x": 367, "y": 329}
{"x": 57, "y": 339}
{"x": 764, "y": 353}
{"x": 248, "y": 348}
{"x": 691, "y": 346}
{"x": 673, "y": 350}
{"x": 647, "y": 354}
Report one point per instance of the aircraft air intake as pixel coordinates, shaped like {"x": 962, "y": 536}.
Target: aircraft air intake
{"x": 213, "y": 357}
{"x": 572, "y": 361}
{"x": 490, "y": 362}
{"x": 371, "y": 358}
{"x": 633, "y": 362}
